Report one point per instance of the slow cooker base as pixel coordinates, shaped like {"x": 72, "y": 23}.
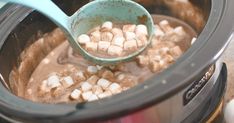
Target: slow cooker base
{"x": 202, "y": 114}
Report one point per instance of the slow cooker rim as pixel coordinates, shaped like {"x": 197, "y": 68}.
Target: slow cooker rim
{"x": 150, "y": 89}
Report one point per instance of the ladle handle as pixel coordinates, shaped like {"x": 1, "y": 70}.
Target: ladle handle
{"x": 48, "y": 8}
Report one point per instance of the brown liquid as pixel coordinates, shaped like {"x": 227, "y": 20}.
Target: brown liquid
{"x": 62, "y": 58}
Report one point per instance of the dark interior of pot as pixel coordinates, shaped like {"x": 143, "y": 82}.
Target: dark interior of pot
{"x": 17, "y": 63}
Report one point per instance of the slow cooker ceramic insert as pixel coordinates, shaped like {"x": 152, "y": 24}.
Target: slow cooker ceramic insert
{"x": 189, "y": 91}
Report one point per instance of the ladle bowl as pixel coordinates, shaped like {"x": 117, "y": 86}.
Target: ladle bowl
{"x": 91, "y": 15}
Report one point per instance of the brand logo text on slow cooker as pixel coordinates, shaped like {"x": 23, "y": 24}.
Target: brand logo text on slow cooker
{"x": 197, "y": 86}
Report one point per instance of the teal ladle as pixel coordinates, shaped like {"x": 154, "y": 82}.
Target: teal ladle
{"x": 91, "y": 15}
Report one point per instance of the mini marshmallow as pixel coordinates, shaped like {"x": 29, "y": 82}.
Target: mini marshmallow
{"x": 129, "y": 35}
{"x": 158, "y": 32}
{"x": 154, "y": 66}
{"x": 107, "y": 74}
{"x": 129, "y": 28}
{"x": 117, "y": 32}
{"x": 155, "y": 42}
{"x": 91, "y": 46}
{"x": 193, "y": 40}
{"x": 118, "y": 41}
{"x": 180, "y": 31}
{"x": 75, "y": 94}
{"x": 168, "y": 58}
{"x": 96, "y": 89}
{"x": 175, "y": 52}
{"x": 142, "y": 38}
{"x": 86, "y": 95}
{"x": 92, "y": 69}
{"x": 162, "y": 63}
{"x": 141, "y": 30}
{"x": 80, "y": 83}
{"x": 44, "y": 86}
{"x": 93, "y": 79}
{"x": 152, "y": 52}
{"x": 155, "y": 57}
{"x": 53, "y": 81}
{"x": 177, "y": 35}
{"x": 115, "y": 50}
{"x": 105, "y": 94}
{"x": 92, "y": 98}
{"x": 229, "y": 112}
{"x": 103, "y": 46}
{"x": 107, "y": 26}
{"x": 115, "y": 88}
{"x": 83, "y": 39}
{"x": 120, "y": 77}
{"x": 67, "y": 81}
{"x": 165, "y": 26}
{"x": 107, "y": 36}
{"x": 57, "y": 91}
{"x": 95, "y": 36}
{"x": 86, "y": 86}
{"x": 130, "y": 45}
{"x": 143, "y": 60}
{"x": 78, "y": 76}
{"x": 164, "y": 50}
{"x": 171, "y": 37}
{"x": 103, "y": 83}
{"x": 141, "y": 43}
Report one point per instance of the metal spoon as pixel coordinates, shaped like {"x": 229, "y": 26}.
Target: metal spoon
{"x": 91, "y": 15}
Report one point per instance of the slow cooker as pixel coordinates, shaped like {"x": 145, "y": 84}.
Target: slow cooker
{"x": 189, "y": 91}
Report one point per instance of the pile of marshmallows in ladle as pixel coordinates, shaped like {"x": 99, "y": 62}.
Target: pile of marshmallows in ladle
{"x": 114, "y": 40}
